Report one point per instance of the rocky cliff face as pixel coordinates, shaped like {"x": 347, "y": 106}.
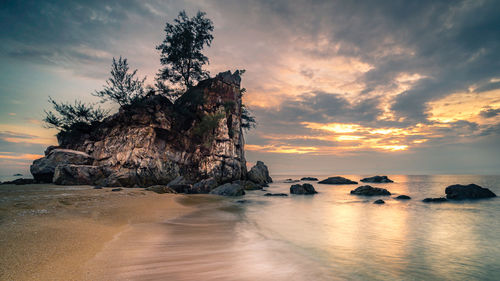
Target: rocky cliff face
{"x": 155, "y": 141}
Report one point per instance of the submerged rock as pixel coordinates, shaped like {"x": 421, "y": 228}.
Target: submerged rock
{"x": 308, "y": 179}
{"x": 403, "y": 197}
{"x": 117, "y": 189}
{"x": 377, "y": 179}
{"x": 290, "y": 181}
{"x": 259, "y": 174}
{"x": 435, "y": 200}
{"x": 337, "y": 180}
{"x": 43, "y": 169}
{"x": 471, "y": 191}
{"x": 368, "y": 190}
{"x": 229, "y": 189}
{"x": 379, "y": 201}
{"x": 275, "y": 194}
{"x": 302, "y": 189}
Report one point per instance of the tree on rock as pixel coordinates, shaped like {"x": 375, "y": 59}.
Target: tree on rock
{"x": 181, "y": 54}
{"x": 67, "y": 116}
{"x": 123, "y": 87}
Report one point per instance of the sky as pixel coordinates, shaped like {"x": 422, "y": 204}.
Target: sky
{"x": 337, "y": 87}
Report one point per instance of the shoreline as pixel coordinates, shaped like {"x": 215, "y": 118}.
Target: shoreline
{"x": 50, "y": 232}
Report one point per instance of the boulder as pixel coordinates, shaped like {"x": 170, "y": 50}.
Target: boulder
{"x": 160, "y": 189}
{"x": 379, "y": 201}
{"x": 203, "y": 186}
{"x": 308, "y": 179}
{"x": 471, "y": 191}
{"x": 302, "y": 189}
{"x": 229, "y": 189}
{"x": 403, "y": 197}
{"x": 337, "y": 180}
{"x": 276, "y": 194}
{"x": 290, "y": 181}
{"x": 43, "y": 169}
{"x": 181, "y": 185}
{"x": 70, "y": 174}
{"x": 367, "y": 190}
{"x": 259, "y": 173}
{"x": 435, "y": 200}
{"x": 377, "y": 179}
{"x": 250, "y": 185}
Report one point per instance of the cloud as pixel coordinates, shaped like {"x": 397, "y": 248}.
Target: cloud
{"x": 12, "y": 156}
{"x": 490, "y": 112}
{"x": 13, "y": 137}
{"x": 429, "y": 68}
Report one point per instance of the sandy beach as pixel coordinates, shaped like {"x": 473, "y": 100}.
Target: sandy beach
{"x": 50, "y": 232}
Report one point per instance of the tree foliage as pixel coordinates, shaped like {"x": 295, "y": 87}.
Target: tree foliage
{"x": 181, "y": 50}
{"x": 123, "y": 87}
{"x": 67, "y": 116}
{"x": 247, "y": 119}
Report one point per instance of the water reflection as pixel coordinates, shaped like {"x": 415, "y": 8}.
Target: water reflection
{"x": 329, "y": 236}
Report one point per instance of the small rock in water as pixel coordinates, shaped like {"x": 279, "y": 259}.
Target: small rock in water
{"x": 337, "y": 180}
{"x": 377, "y": 179}
{"x": 244, "y": 201}
{"x": 117, "y": 189}
{"x": 368, "y": 190}
{"x": 435, "y": 200}
{"x": 403, "y": 197}
{"x": 302, "y": 189}
{"x": 275, "y": 194}
{"x": 379, "y": 201}
{"x": 308, "y": 179}
{"x": 471, "y": 191}
{"x": 290, "y": 181}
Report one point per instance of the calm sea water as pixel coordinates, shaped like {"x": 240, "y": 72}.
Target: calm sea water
{"x": 328, "y": 236}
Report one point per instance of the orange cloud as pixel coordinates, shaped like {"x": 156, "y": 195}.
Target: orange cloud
{"x": 9, "y": 155}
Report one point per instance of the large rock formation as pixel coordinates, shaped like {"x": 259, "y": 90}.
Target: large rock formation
{"x": 154, "y": 141}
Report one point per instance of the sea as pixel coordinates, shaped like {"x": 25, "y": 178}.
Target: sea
{"x": 331, "y": 235}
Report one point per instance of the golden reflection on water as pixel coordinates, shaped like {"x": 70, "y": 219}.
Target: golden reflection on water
{"x": 329, "y": 236}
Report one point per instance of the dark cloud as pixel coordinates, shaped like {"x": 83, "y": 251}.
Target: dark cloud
{"x": 490, "y": 112}
{"x": 323, "y": 107}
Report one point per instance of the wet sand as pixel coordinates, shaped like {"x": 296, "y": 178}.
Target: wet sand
{"x": 50, "y": 232}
